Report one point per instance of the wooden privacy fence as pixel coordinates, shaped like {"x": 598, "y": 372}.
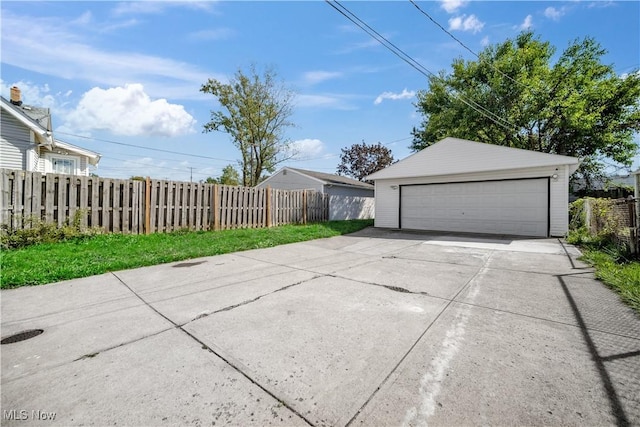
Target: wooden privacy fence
{"x": 616, "y": 216}
{"x": 130, "y": 206}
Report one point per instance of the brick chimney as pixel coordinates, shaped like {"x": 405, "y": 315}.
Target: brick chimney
{"x": 15, "y": 96}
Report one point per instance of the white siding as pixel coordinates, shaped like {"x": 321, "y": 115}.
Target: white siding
{"x": 559, "y": 202}
{"x": 387, "y": 204}
{"x": 388, "y": 199}
{"x": 14, "y": 142}
{"x": 84, "y": 170}
{"x": 348, "y": 207}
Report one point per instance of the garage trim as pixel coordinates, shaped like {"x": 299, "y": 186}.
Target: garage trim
{"x": 547, "y": 178}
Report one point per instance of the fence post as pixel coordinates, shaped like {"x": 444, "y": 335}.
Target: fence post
{"x": 215, "y": 209}
{"x": 267, "y": 205}
{"x": 147, "y": 207}
{"x": 5, "y": 198}
{"x": 304, "y": 207}
{"x": 588, "y": 219}
{"x": 633, "y": 227}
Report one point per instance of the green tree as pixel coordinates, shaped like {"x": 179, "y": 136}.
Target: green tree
{"x": 230, "y": 176}
{"x": 256, "y": 112}
{"x": 361, "y": 160}
{"x": 514, "y": 95}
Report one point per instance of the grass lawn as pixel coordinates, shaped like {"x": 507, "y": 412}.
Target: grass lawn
{"x": 53, "y": 262}
{"x": 624, "y": 278}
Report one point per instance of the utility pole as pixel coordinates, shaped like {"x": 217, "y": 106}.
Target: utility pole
{"x": 191, "y": 179}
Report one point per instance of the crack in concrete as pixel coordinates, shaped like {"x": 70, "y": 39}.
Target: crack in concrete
{"x": 389, "y": 287}
{"x": 228, "y": 362}
{"x": 249, "y": 301}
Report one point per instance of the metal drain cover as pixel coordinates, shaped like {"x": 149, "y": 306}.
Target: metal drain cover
{"x": 21, "y": 336}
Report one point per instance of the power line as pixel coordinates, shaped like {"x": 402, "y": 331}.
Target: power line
{"x": 464, "y": 45}
{"x": 110, "y": 155}
{"x": 143, "y": 147}
{"x": 416, "y": 65}
{"x": 147, "y": 165}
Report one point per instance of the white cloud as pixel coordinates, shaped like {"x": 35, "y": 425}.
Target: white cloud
{"x": 485, "y": 41}
{"x": 405, "y": 94}
{"x": 109, "y": 27}
{"x": 466, "y": 23}
{"x": 452, "y": 6}
{"x": 154, "y": 7}
{"x": 37, "y": 96}
{"x": 216, "y": 34}
{"x": 553, "y": 13}
{"x": 84, "y": 19}
{"x": 602, "y": 4}
{"x": 625, "y": 75}
{"x": 129, "y": 111}
{"x": 87, "y": 22}
{"x": 75, "y": 59}
{"x": 527, "y": 23}
{"x": 336, "y": 102}
{"x": 306, "y": 148}
{"x": 368, "y": 44}
{"x": 314, "y": 77}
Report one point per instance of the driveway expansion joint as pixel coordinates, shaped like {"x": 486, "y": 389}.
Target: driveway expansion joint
{"x": 204, "y": 346}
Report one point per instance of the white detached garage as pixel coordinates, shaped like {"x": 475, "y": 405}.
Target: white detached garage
{"x": 465, "y": 186}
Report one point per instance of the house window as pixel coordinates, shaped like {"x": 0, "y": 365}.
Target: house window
{"x": 59, "y": 163}
{"x": 65, "y": 166}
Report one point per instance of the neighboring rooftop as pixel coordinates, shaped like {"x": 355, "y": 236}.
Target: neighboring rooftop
{"x": 38, "y": 119}
{"x": 333, "y": 179}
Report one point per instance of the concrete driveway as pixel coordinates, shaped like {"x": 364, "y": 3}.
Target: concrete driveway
{"x": 374, "y": 328}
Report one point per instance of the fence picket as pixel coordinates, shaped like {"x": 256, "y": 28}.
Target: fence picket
{"x": 107, "y": 222}
{"x": 28, "y": 198}
{"x": 126, "y": 207}
{"x": 83, "y": 200}
{"x": 115, "y": 207}
{"x": 95, "y": 202}
{"x": 18, "y": 204}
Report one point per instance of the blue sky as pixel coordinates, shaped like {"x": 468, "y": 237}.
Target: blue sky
{"x": 130, "y": 72}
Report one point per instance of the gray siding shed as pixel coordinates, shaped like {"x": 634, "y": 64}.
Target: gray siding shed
{"x": 333, "y": 185}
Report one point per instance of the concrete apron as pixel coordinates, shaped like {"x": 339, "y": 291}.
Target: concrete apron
{"x": 374, "y": 328}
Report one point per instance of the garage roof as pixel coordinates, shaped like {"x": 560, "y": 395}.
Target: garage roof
{"x": 458, "y": 156}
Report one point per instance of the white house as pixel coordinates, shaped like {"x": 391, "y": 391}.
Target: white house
{"x": 27, "y": 142}
{"x": 465, "y": 186}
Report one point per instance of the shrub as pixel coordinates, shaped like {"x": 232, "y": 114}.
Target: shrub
{"x": 37, "y": 231}
{"x": 603, "y": 231}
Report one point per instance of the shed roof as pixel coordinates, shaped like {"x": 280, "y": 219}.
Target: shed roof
{"x": 452, "y": 156}
{"x": 333, "y": 179}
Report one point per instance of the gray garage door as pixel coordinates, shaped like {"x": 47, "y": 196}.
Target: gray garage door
{"x": 517, "y": 207}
